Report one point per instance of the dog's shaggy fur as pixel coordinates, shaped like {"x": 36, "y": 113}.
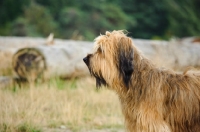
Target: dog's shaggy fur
{"x": 152, "y": 99}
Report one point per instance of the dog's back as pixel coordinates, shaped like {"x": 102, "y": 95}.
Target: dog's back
{"x": 183, "y": 102}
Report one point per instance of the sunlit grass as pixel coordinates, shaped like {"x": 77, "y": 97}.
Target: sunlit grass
{"x": 75, "y": 104}
{"x": 6, "y": 64}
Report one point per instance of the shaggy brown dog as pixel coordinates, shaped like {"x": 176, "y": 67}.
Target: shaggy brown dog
{"x": 152, "y": 99}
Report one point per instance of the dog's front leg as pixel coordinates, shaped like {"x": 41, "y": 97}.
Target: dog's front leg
{"x": 149, "y": 119}
{"x": 145, "y": 119}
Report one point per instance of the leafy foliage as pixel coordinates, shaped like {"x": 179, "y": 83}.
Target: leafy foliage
{"x": 9, "y": 10}
{"x": 184, "y": 17}
{"x": 40, "y": 17}
{"x": 150, "y": 17}
{"x": 83, "y": 20}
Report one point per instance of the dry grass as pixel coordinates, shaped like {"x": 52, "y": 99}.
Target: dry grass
{"x": 75, "y": 104}
{"x": 6, "y": 64}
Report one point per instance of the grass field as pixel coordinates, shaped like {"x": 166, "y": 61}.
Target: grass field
{"x": 74, "y": 105}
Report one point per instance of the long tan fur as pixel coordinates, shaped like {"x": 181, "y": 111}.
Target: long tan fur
{"x": 152, "y": 99}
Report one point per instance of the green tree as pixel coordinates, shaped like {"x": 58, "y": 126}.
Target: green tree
{"x": 11, "y": 9}
{"x": 19, "y": 27}
{"x": 72, "y": 23}
{"x": 89, "y": 19}
{"x": 184, "y": 18}
{"x": 79, "y": 19}
{"x": 150, "y": 16}
{"x": 55, "y": 6}
{"x": 40, "y": 18}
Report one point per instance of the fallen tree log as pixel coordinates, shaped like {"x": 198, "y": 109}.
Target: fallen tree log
{"x": 178, "y": 55}
{"x": 59, "y": 60}
{"x": 64, "y": 58}
{"x": 171, "y": 54}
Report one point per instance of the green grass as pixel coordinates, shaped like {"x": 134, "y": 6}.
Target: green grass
{"x": 20, "y": 128}
{"x": 62, "y": 84}
{"x": 27, "y": 128}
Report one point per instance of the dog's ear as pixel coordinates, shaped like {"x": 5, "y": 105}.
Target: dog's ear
{"x": 126, "y": 55}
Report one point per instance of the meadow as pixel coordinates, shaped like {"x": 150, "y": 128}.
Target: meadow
{"x": 68, "y": 105}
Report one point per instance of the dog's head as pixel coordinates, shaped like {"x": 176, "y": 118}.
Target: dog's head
{"x": 111, "y": 63}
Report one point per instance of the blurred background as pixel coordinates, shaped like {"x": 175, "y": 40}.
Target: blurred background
{"x": 83, "y": 20}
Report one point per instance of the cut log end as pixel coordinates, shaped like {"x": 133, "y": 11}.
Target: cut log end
{"x": 29, "y": 63}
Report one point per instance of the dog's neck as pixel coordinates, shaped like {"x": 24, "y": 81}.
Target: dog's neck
{"x": 144, "y": 72}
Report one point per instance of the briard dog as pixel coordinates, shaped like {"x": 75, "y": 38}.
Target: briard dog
{"x": 152, "y": 99}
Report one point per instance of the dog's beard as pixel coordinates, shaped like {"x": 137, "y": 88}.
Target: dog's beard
{"x": 100, "y": 81}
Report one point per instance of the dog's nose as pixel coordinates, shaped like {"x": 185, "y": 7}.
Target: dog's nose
{"x": 85, "y": 59}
